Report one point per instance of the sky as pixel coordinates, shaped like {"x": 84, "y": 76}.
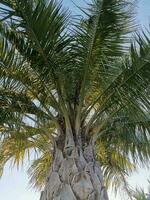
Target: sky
{"x": 14, "y": 183}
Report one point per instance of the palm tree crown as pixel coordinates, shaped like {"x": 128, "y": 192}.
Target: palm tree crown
{"x": 81, "y": 76}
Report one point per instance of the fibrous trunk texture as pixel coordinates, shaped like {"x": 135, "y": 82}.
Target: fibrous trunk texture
{"x": 74, "y": 175}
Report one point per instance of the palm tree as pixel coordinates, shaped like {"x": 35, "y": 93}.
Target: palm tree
{"x": 75, "y": 91}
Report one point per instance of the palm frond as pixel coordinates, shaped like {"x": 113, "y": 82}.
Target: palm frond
{"x": 130, "y": 87}
{"x": 17, "y": 146}
{"x": 140, "y": 195}
{"x": 38, "y": 171}
{"x": 99, "y": 36}
{"x": 116, "y": 167}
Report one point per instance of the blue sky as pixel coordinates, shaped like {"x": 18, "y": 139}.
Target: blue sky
{"x": 14, "y": 184}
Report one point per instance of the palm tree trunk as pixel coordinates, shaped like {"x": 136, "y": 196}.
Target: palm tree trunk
{"x": 74, "y": 175}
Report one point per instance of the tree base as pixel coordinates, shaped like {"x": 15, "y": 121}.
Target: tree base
{"x": 74, "y": 177}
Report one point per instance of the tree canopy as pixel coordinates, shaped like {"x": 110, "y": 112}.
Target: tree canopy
{"x": 86, "y": 75}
